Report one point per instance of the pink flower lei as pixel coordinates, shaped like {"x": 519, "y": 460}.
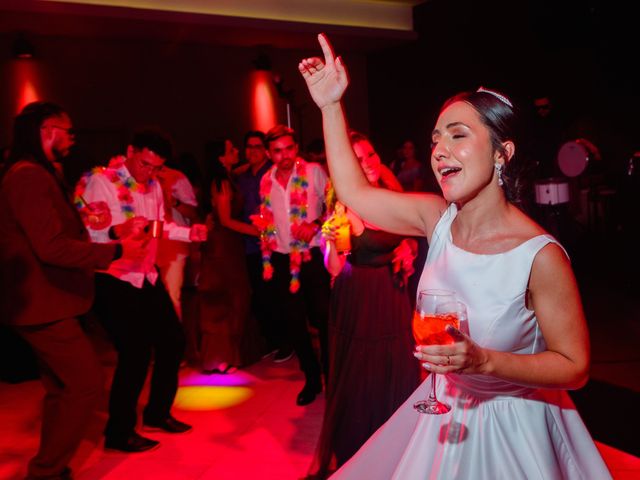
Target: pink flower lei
{"x": 124, "y": 183}
{"x": 298, "y": 213}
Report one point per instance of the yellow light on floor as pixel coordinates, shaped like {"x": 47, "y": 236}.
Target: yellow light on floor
{"x": 211, "y": 398}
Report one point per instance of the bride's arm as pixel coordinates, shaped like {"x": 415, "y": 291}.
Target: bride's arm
{"x": 407, "y": 214}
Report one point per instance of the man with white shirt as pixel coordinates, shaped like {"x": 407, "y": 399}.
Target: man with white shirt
{"x": 131, "y": 301}
{"x": 293, "y": 202}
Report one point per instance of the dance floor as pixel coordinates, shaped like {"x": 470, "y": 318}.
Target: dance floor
{"x": 246, "y": 426}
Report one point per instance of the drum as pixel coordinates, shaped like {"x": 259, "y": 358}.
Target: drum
{"x": 574, "y": 157}
{"x": 552, "y": 191}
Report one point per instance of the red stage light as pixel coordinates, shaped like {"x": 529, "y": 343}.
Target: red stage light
{"x": 25, "y": 83}
{"x": 263, "y": 105}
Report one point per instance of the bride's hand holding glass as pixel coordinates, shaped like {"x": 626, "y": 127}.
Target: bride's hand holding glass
{"x": 460, "y": 354}
{"x": 435, "y": 311}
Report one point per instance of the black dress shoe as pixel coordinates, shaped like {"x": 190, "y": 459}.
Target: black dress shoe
{"x": 64, "y": 475}
{"x": 134, "y": 443}
{"x": 168, "y": 425}
{"x": 309, "y": 392}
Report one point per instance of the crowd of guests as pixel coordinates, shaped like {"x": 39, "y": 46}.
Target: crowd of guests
{"x": 243, "y": 240}
{"x": 258, "y": 244}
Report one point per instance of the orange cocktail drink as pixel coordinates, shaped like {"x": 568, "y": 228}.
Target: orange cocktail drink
{"x": 430, "y": 329}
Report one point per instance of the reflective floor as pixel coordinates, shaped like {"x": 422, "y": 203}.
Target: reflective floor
{"x": 246, "y": 424}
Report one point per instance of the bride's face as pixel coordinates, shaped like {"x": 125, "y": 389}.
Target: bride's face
{"x": 369, "y": 160}
{"x": 462, "y": 155}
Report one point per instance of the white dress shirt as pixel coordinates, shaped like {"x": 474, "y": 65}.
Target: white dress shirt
{"x": 149, "y": 205}
{"x": 280, "y": 204}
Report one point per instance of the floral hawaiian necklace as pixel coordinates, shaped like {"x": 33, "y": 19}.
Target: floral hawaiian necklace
{"x": 124, "y": 183}
{"x": 298, "y": 213}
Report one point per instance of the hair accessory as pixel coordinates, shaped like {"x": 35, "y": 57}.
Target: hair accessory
{"x": 499, "y": 167}
{"x": 499, "y": 96}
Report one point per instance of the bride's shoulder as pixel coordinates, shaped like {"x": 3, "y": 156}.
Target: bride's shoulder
{"x": 524, "y": 227}
{"x": 432, "y": 208}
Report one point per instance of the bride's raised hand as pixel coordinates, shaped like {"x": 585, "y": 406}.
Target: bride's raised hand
{"x": 327, "y": 80}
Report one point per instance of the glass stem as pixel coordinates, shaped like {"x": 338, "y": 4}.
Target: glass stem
{"x": 432, "y": 395}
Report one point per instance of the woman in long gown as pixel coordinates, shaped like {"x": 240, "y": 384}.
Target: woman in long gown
{"x": 370, "y": 343}
{"x": 528, "y": 343}
{"x": 229, "y": 335}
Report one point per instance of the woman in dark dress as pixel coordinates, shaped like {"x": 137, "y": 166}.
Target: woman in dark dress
{"x": 371, "y": 345}
{"x": 229, "y": 335}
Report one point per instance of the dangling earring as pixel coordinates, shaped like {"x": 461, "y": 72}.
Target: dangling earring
{"x": 499, "y": 167}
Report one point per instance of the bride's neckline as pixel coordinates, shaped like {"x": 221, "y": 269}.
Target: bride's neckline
{"x": 520, "y": 245}
{"x": 504, "y": 252}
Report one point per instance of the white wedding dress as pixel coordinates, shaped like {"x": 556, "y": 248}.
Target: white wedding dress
{"x": 495, "y": 429}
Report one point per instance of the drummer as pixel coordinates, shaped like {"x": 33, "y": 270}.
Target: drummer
{"x": 549, "y": 132}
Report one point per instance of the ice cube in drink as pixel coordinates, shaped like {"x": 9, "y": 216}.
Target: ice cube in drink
{"x": 431, "y": 329}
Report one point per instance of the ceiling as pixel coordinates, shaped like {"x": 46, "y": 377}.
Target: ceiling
{"x": 362, "y": 25}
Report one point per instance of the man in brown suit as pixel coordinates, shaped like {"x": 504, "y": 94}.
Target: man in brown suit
{"x": 46, "y": 266}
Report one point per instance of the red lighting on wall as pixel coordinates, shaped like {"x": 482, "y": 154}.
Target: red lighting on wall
{"x": 25, "y": 83}
{"x": 263, "y": 108}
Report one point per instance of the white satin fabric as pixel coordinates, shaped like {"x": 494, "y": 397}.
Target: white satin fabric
{"x": 496, "y": 429}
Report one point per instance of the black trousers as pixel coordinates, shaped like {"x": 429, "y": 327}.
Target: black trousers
{"x": 140, "y": 321}
{"x": 310, "y": 303}
{"x": 262, "y": 293}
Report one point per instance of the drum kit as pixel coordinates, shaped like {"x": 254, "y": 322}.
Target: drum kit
{"x": 575, "y": 195}
{"x": 574, "y": 158}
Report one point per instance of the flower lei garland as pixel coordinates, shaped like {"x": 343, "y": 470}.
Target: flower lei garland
{"x": 298, "y": 213}
{"x": 124, "y": 183}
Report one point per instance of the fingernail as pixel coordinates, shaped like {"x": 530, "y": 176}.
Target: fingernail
{"x": 426, "y": 366}
{"x": 416, "y": 354}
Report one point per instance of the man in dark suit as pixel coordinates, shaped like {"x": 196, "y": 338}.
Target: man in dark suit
{"x": 46, "y": 265}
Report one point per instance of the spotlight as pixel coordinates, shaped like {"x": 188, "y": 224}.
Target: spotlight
{"x": 22, "y": 48}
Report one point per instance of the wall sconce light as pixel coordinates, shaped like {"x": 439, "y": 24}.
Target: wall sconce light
{"x": 22, "y": 47}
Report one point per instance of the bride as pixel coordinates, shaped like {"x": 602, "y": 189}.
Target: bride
{"x": 528, "y": 340}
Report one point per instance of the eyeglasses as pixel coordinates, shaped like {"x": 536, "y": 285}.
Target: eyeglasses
{"x": 68, "y": 131}
{"x": 150, "y": 166}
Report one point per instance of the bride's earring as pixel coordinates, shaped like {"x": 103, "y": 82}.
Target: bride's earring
{"x": 499, "y": 167}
